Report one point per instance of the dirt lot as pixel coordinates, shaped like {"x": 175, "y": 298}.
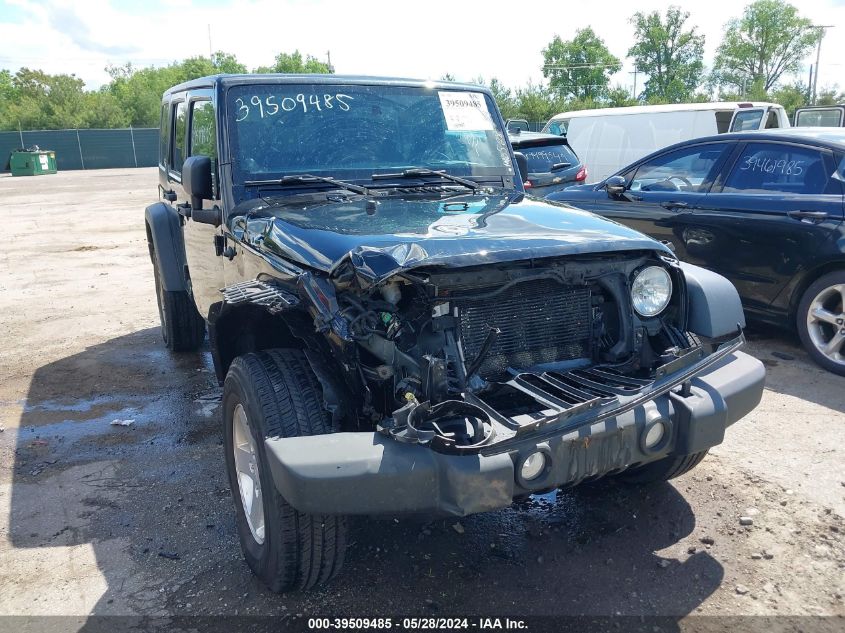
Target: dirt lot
{"x": 103, "y": 519}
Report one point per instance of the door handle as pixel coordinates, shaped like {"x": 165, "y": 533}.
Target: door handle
{"x": 671, "y": 205}
{"x": 816, "y": 216}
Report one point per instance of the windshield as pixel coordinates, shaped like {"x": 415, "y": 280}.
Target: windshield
{"x": 557, "y": 126}
{"x": 352, "y": 131}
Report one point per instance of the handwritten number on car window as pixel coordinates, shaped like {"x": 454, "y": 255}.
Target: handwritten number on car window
{"x": 772, "y": 165}
{"x": 256, "y": 101}
{"x": 270, "y": 106}
{"x": 343, "y": 105}
{"x": 243, "y": 110}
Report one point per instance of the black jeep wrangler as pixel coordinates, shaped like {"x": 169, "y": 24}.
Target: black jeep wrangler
{"x": 400, "y": 329}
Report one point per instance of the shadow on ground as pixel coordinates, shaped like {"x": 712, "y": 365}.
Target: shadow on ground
{"x": 152, "y": 501}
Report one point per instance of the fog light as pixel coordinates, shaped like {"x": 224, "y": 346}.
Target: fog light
{"x": 654, "y": 434}
{"x": 533, "y": 466}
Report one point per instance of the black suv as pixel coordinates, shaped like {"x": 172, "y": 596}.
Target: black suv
{"x": 398, "y": 328}
{"x": 552, "y": 164}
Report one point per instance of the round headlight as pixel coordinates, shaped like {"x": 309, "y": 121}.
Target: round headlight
{"x": 651, "y": 291}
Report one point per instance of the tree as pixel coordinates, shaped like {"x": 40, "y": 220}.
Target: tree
{"x": 579, "y": 68}
{"x": 791, "y": 97}
{"x": 831, "y": 95}
{"x": 227, "y": 63}
{"x": 293, "y": 63}
{"x": 503, "y": 96}
{"x": 770, "y": 39}
{"x": 619, "y": 97}
{"x": 41, "y": 101}
{"x": 671, "y": 56}
{"x": 138, "y": 91}
{"x": 536, "y": 103}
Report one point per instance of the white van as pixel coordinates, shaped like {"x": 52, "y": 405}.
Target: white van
{"x": 608, "y": 139}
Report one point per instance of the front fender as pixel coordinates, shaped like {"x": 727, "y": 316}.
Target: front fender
{"x": 715, "y": 309}
{"x": 164, "y": 229}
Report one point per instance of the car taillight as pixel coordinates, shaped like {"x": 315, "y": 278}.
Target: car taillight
{"x": 582, "y": 174}
{"x": 527, "y": 184}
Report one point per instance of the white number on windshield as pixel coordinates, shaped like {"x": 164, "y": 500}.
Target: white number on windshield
{"x": 257, "y": 107}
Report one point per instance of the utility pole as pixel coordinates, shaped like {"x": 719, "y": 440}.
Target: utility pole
{"x": 210, "y": 49}
{"x": 823, "y": 27}
{"x": 810, "y": 85}
{"x": 329, "y": 57}
{"x": 634, "y": 73}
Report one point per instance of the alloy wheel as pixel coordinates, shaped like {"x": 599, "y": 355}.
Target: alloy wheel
{"x": 826, "y": 322}
{"x": 249, "y": 476}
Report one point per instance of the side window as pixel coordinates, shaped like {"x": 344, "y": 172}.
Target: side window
{"x": 747, "y": 120}
{"x": 831, "y": 117}
{"x": 773, "y": 167}
{"x": 689, "y": 169}
{"x": 163, "y": 135}
{"x": 177, "y": 157}
{"x": 203, "y": 129}
{"x": 772, "y": 120}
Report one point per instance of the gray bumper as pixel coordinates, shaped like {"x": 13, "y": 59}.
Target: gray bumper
{"x": 369, "y": 473}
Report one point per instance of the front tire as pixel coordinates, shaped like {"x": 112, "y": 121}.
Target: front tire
{"x": 821, "y": 321}
{"x": 661, "y": 470}
{"x": 182, "y": 327}
{"x": 274, "y": 393}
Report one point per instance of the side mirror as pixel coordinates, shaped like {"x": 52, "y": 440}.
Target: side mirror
{"x": 615, "y": 185}
{"x": 196, "y": 179}
{"x": 522, "y": 165}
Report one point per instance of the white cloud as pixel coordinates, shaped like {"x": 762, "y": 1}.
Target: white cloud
{"x": 377, "y": 37}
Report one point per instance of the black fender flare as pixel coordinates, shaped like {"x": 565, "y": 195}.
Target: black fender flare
{"x": 164, "y": 229}
{"x": 714, "y": 306}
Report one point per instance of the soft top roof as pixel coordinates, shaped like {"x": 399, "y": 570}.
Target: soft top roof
{"x": 328, "y": 79}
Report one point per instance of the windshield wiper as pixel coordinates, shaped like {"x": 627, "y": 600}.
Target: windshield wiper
{"x": 559, "y": 166}
{"x": 422, "y": 172}
{"x": 304, "y": 179}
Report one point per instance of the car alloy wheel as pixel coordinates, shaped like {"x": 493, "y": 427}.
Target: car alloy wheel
{"x": 826, "y": 322}
{"x": 249, "y": 476}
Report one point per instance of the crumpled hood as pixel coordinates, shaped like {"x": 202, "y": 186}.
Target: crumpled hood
{"x": 404, "y": 233}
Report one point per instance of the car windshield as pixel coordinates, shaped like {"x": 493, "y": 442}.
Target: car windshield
{"x": 355, "y": 131}
{"x": 541, "y": 158}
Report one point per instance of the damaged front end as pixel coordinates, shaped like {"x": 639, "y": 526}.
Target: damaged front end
{"x": 476, "y": 359}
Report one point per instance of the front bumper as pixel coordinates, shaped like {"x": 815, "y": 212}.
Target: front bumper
{"x": 369, "y": 473}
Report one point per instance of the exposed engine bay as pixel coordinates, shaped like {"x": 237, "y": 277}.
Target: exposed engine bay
{"x": 467, "y": 358}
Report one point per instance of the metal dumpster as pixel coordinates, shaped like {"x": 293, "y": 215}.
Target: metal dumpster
{"x": 32, "y": 162}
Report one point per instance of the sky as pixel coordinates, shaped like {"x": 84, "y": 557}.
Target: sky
{"x": 423, "y": 40}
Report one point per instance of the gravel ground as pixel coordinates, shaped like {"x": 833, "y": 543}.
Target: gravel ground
{"x": 98, "y": 518}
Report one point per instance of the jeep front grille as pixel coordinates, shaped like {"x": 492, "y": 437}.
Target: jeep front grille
{"x": 540, "y": 322}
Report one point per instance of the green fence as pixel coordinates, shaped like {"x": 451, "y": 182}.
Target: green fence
{"x": 87, "y": 149}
